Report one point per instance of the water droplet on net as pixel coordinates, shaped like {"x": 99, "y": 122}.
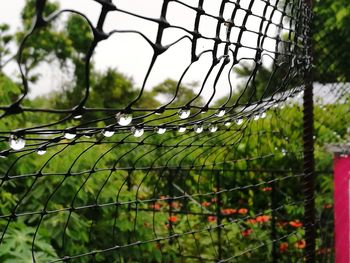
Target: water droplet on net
{"x": 123, "y": 119}
{"x": 228, "y": 124}
{"x": 161, "y": 130}
{"x": 182, "y": 129}
{"x": 137, "y": 132}
{"x": 239, "y": 121}
{"x": 198, "y": 128}
{"x": 77, "y": 117}
{"x": 213, "y": 128}
{"x": 220, "y": 113}
{"x": 263, "y": 115}
{"x": 69, "y": 135}
{"x": 108, "y": 133}
{"x": 184, "y": 113}
{"x": 17, "y": 143}
{"x": 41, "y": 151}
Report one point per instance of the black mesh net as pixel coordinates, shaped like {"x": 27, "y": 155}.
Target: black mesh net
{"x": 101, "y": 170}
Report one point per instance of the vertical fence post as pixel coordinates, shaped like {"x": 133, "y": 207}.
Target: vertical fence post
{"x": 218, "y": 214}
{"x": 273, "y": 220}
{"x": 309, "y": 160}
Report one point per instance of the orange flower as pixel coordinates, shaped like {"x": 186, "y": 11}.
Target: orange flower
{"x": 228, "y": 211}
{"x": 211, "y": 218}
{"x": 156, "y": 206}
{"x": 251, "y": 221}
{"x": 174, "y": 205}
{"x": 242, "y": 211}
{"x": 300, "y": 244}
{"x": 262, "y": 219}
{"x": 247, "y": 232}
{"x": 172, "y": 219}
{"x": 266, "y": 189}
{"x": 206, "y": 204}
{"x": 283, "y": 247}
{"x": 296, "y": 223}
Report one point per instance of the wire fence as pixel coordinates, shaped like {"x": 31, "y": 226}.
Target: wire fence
{"x": 212, "y": 171}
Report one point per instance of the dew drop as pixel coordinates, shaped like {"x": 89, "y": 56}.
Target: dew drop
{"x": 239, "y": 121}
{"x": 256, "y": 117}
{"x": 124, "y": 119}
{"x": 220, "y": 113}
{"x": 182, "y": 129}
{"x": 17, "y": 143}
{"x": 108, "y": 133}
{"x": 69, "y": 135}
{"x": 41, "y": 151}
{"x": 161, "y": 130}
{"x": 213, "y": 128}
{"x": 198, "y": 128}
{"x": 263, "y": 115}
{"x": 184, "y": 113}
{"x": 228, "y": 124}
{"x": 204, "y": 111}
{"x": 137, "y": 132}
{"x": 77, "y": 117}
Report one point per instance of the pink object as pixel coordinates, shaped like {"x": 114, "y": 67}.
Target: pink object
{"x": 341, "y": 208}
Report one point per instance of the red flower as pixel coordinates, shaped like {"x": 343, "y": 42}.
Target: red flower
{"x": 211, "y": 218}
{"x": 172, "y": 219}
{"x": 300, "y": 244}
{"x": 156, "y": 206}
{"x": 228, "y": 211}
{"x": 247, "y": 232}
{"x": 262, "y": 219}
{"x": 267, "y": 189}
{"x": 251, "y": 221}
{"x": 283, "y": 247}
{"x": 242, "y": 211}
{"x": 296, "y": 223}
{"x": 206, "y": 204}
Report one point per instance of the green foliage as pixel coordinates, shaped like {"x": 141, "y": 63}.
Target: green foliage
{"x": 331, "y": 40}
{"x": 17, "y": 245}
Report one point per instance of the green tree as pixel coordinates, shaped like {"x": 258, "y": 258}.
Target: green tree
{"x": 331, "y": 40}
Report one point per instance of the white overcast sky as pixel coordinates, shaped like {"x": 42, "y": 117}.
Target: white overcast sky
{"x": 131, "y": 55}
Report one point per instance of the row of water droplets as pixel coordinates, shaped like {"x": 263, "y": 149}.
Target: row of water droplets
{"x": 124, "y": 119}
